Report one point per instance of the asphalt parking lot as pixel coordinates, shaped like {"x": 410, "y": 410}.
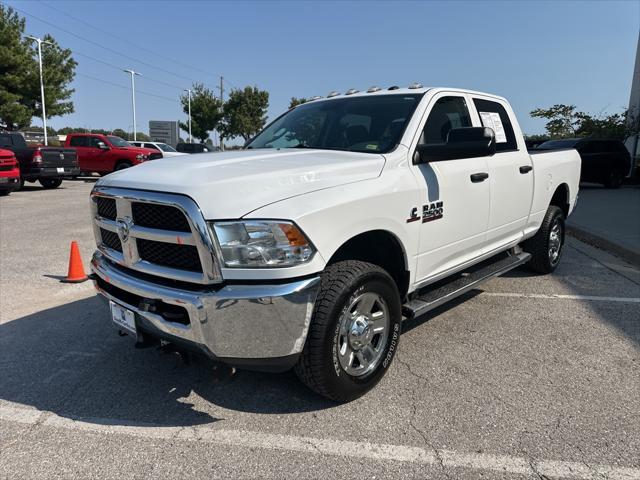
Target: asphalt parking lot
{"x": 530, "y": 377}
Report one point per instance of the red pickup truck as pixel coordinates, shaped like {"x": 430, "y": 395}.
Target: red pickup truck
{"x": 107, "y": 153}
{"x": 9, "y": 172}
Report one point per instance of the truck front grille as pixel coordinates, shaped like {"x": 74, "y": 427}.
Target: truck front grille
{"x": 154, "y": 233}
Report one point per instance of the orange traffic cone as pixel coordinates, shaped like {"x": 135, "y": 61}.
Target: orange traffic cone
{"x": 76, "y": 270}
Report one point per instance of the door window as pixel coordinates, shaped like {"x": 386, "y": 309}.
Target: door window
{"x": 78, "y": 142}
{"x": 94, "y": 142}
{"x": 448, "y": 113}
{"x": 493, "y": 115}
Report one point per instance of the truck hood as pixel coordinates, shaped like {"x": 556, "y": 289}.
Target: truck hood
{"x": 232, "y": 184}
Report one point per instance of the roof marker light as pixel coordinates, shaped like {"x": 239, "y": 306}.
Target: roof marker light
{"x": 415, "y": 85}
{"x": 317, "y": 97}
{"x": 374, "y": 89}
{"x": 333, "y": 94}
{"x": 351, "y": 91}
{"x": 395, "y": 87}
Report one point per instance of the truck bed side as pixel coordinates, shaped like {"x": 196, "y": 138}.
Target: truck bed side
{"x": 552, "y": 170}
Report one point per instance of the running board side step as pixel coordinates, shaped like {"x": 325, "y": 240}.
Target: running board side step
{"x": 462, "y": 283}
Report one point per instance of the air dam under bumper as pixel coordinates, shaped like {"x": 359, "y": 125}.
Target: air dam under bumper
{"x": 255, "y": 326}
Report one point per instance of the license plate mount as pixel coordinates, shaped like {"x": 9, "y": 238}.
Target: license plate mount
{"x": 123, "y": 318}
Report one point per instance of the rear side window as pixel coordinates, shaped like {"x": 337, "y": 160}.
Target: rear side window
{"x": 5, "y": 141}
{"x": 78, "y": 142}
{"x": 493, "y": 115}
{"x": 151, "y": 146}
{"x": 448, "y": 113}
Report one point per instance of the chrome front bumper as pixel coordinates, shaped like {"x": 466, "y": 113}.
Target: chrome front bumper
{"x": 232, "y": 322}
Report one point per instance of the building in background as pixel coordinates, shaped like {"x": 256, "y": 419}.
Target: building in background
{"x": 166, "y": 131}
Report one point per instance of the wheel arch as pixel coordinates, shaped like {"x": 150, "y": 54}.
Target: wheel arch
{"x": 380, "y": 247}
{"x": 561, "y": 198}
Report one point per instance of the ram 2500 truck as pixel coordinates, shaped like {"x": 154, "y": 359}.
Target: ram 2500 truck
{"x": 107, "y": 153}
{"x": 342, "y": 218}
{"x": 47, "y": 165}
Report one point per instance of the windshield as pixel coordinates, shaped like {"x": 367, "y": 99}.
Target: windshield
{"x": 370, "y": 124}
{"x": 165, "y": 148}
{"x": 117, "y": 141}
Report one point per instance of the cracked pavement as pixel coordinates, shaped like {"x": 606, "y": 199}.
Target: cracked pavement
{"x": 539, "y": 379}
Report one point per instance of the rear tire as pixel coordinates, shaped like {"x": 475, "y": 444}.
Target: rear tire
{"x": 50, "y": 183}
{"x": 354, "y": 332}
{"x": 614, "y": 179}
{"x": 546, "y": 246}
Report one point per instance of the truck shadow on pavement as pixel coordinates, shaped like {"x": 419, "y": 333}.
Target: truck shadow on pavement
{"x": 69, "y": 360}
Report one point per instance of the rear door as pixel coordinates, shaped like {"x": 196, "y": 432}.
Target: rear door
{"x": 454, "y": 211}
{"x": 510, "y": 173}
{"x": 84, "y": 154}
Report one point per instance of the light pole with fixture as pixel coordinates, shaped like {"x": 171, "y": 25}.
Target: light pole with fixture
{"x": 44, "y": 112}
{"x": 133, "y": 74}
{"x": 189, "y": 92}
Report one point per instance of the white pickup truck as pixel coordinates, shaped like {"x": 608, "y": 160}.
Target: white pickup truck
{"x": 342, "y": 218}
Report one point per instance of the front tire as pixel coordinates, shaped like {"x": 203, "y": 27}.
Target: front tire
{"x": 546, "y": 246}
{"x": 354, "y": 332}
{"x": 122, "y": 166}
{"x": 50, "y": 183}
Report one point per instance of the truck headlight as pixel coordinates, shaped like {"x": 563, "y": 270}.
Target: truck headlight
{"x": 262, "y": 243}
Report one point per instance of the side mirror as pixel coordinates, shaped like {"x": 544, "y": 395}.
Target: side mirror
{"x": 103, "y": 146}
{"x": 467, "y": 142}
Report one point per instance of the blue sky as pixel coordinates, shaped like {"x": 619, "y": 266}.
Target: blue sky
{"x": 533, "y": 53}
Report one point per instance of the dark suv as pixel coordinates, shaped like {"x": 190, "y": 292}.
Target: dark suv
{"x": 195, "y": 148}
{"x": 603, "y": 161}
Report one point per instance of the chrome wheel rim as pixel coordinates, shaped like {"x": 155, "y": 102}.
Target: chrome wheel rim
{"x": 364, "y": 328}
{"x": 555, "y": 242}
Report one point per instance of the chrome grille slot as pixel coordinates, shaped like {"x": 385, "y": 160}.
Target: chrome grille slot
{"x": 107, "y": 208}
{"x": 159, "y": 216}
{"x": 154, "y": 233}
{"x": 111, "y": 240}
{"x": 170, "y": 254}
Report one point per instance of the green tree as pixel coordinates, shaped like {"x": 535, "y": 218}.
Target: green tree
{"x": 20, "y": 76}
{"x": 16, "y": 66}
{"x": 58, "y": 71}
{"x": 610, "y": 126}
{"x": 244, "y": 113}
{"x": 206, "y": 111}
{"x": 118, "y": 132}
{"x": 297, "y": 101}
{"x": 563, "y": 120}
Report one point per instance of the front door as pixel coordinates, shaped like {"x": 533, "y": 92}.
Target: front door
{"x": 455, "y": 209}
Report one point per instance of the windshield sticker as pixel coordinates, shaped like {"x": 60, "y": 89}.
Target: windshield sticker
{"x": 372, "y": 147}
{"x": 492, "y": 120}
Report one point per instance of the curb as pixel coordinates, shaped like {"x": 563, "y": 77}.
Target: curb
{"x": 604, "y": 244}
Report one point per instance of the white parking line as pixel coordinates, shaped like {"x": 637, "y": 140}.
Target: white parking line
{"x": 589, "y": 298}
{"x": 338, "y": 448}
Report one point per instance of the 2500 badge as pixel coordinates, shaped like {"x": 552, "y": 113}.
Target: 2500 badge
{"x": 430, "y": 212}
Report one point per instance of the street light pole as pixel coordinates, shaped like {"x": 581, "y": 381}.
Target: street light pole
{"x": 189, "y": 92}
{"x": 133, "y": 74}
{"x": 44, "y": 111}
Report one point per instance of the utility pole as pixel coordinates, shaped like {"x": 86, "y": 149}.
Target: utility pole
{"x": 189, "y": 92}
{"x": 133, "y": 74}
{"x": 221, "y": 87}
{"x": 44, "y": 112}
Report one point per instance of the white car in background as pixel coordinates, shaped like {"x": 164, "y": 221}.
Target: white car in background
{"x": 165, "y": 149}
